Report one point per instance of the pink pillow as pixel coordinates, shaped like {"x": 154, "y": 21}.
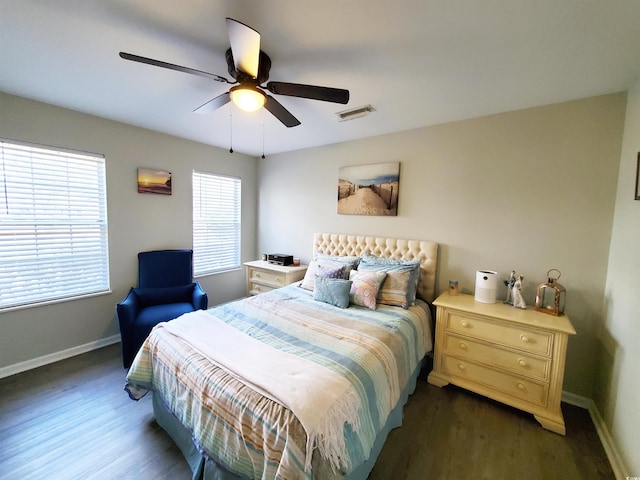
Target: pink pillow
{"x": 365, "y": 287}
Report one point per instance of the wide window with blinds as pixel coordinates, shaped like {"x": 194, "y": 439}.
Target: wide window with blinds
{"x": 53, "y": 225}
{"x": 216, "y": 223}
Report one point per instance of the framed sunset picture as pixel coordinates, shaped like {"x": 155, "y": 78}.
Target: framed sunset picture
{"x": 154, "y": 181}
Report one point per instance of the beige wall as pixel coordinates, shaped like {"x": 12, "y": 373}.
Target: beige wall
{"x": 618, "y": 392}
{"x": 528, "y": 190}
{"x": 137, "y": 222}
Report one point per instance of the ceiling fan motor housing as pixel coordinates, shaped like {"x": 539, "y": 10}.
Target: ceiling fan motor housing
{"x": 264, "y": 66}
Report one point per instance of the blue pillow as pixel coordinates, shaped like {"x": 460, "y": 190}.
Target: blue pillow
{"x": 164, "y": 295}
{"x": 371, "y": 262}
{"x": 334, "y": 291}
{"x": 349, "y": 260}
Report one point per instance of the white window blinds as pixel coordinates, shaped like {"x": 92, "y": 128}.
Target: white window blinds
{"x": 216, "y": 223}
{"x": 53, "y": 225}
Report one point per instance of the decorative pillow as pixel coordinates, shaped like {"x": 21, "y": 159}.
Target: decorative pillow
{"x": 309, "y": 276}
{"x": 394, "y": 289}
{"x": 371, "y": 262}
{"x": 164, "y": 295}
{"x": 365, "y": 287}
{"x": 330, "y": 271}
{"x": 334, "y": 291}
{"x": 349, "y": 260}
{"x": 312, "y": 270}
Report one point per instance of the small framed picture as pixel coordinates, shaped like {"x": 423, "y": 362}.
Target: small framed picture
{"x": 638, "y": 178}
{"x": 154, "y": 181}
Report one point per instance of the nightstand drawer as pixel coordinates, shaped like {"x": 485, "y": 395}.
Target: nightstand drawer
{"x": 512, "y": 335}
{"x": 517, "y": 362}
{"x": 510, "y": 384}
{"x": 256, "y": 288}
{"x": 267, "y": 278}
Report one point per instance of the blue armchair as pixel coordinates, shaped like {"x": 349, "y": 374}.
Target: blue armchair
{"x": 165, "y": 291}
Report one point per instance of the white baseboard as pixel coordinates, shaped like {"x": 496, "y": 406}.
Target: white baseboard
{"x": 57, "y": 356}
{"x": 617, "y": 464}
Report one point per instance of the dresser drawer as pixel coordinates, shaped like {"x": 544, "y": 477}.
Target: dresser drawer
{"x": 517, "y": 362}
{"x": 267, "y": 278}
{"x": 511, "y": 335}
{"x": 512, "y": 385}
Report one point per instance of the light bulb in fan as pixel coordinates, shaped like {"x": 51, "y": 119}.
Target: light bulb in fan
{"x": 248, "y": 98}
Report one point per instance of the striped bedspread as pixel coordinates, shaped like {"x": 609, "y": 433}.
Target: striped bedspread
{"x": 244, "y": 428}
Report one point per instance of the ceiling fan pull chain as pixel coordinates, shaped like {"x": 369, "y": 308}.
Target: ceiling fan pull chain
{"x": 230, "y": 129}
{"x": 263, "y": 134}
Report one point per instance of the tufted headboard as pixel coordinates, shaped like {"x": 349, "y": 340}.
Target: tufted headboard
{"x": 345, "y": 244}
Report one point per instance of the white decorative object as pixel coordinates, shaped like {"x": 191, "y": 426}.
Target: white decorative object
{"x": 516, "y": 293}
{"x": 509, "y": 284}
{"x": 486, "y": 286}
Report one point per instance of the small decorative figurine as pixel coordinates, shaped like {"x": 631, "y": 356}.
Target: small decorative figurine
{"x": 516, "y": 293}
{"x": 509, "y": 284}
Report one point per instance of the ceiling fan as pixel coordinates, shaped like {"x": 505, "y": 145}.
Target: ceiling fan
{"x": 249, "y": 66}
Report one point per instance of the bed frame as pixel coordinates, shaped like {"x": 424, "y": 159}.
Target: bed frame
{"x": 329, "y": 244}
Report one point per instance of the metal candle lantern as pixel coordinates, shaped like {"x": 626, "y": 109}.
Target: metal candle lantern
{"x": 550, "y": 296}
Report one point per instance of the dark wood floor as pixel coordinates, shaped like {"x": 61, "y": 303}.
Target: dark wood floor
{"x": 73, "y": 420}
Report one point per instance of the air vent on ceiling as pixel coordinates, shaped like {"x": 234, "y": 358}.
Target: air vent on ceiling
{"x": 355, "y": 113}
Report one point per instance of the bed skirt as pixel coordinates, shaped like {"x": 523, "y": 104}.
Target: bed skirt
{"x": 207, "y": 469}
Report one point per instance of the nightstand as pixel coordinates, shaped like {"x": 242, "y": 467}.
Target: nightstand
{"x": 511, "y": 355}
{"x": 264, "y": 276}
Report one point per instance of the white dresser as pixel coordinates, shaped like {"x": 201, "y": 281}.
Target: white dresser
{"x": 511, "y": 355}
{"x": 264, "y": 276}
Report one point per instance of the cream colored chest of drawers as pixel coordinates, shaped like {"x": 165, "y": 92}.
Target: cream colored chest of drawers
{"x": 508, "y": 354}
{"x": 264, "y": 276}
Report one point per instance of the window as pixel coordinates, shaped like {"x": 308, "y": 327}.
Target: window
{"x": 53, "y": 225}
{"x": 216, "y": 223}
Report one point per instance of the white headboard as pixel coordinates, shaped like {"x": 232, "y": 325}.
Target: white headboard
{"x": 425, "y": 251}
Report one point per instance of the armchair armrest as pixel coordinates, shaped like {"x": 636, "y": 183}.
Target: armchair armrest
{"x": 127, "y": 311}
{"x": 200, "y": 299}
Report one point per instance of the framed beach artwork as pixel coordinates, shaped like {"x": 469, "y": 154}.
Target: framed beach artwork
{"x": 154, "y": 181}
{"x": 369, "y": 189}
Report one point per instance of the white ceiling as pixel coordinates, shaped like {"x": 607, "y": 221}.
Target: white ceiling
{"x": 417, "y": 62}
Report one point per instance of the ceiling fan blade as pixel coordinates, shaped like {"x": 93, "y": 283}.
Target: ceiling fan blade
{"x": 214, "y": 104}
{"x": 245, "y": 46}
{"x": 326, "y": 94}
{"x": 171, "y": 66}
{"x": 281, "y": 113}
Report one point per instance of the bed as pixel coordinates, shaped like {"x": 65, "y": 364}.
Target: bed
{"x": 294, "y": 383}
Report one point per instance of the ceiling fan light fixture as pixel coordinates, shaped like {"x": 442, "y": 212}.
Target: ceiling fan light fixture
{"x": 248, "y": 97}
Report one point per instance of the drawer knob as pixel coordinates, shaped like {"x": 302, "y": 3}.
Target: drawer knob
{"x": 464, "y": 323}
{"x": 461, "y": 366}
{"x": 257, "y": 275}
{"x": 520, "y": 386}
{"x": 522, "y": 362}
{"x": 524, "y": 338}
{"x": 463, "y": 346}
